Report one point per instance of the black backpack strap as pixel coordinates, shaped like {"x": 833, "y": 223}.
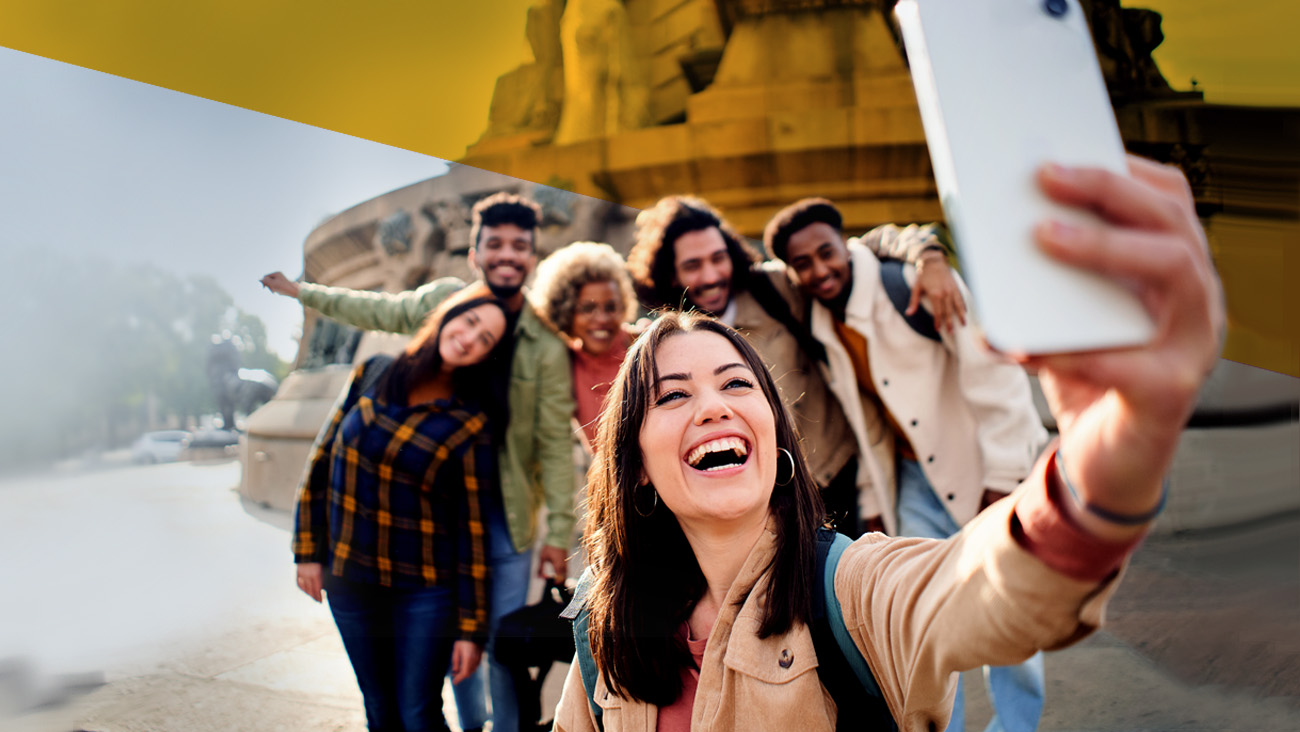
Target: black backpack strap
{"x": 841, "y": 667}
{"x": 776, "y": 307}
{"x": 577, "y": 612}
{"x": 900, "y": 294}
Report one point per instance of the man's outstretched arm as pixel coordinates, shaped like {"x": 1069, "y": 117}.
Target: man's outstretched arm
{"x": 278, "y": 283}
{"x": 923, "y": 246}
{"x": 400, "y": 312}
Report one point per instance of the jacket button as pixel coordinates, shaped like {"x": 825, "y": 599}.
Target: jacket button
{"x": 787, "y": 658}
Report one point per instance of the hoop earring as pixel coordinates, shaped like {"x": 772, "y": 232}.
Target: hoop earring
{"x": 789, "y": 478}
{"x": 653, "y": 505}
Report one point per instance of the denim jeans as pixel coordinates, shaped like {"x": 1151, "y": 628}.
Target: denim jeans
{"x": 1016, "y": 692}
{"x": 471, "y": 699}
{"x": 510, "y": 579}
{"x": 399, "y": 642}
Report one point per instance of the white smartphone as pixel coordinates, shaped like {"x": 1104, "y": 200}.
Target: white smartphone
{"x": 1005, "y": 86}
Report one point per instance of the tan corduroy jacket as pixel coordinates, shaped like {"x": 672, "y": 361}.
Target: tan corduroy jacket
{"x": 919, "y": 610}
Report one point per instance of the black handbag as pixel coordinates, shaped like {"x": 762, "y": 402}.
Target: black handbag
{"x": 535, "y": 636}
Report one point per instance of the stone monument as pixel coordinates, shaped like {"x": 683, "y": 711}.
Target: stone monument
{"x": 752, "y": 104}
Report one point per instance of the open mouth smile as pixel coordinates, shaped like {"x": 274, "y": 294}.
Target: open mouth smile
{"x": 719, "y": 454}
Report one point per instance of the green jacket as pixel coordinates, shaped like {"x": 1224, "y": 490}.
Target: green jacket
{"x": 536, "y": 461}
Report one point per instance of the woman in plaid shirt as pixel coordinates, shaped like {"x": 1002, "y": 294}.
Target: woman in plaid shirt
{"x": 390, "y": 512}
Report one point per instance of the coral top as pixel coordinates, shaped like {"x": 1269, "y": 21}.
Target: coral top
{"x": 592, "y": 377}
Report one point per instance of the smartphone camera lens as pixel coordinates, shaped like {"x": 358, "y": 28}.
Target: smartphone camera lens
{"x": 1056, "y": 8}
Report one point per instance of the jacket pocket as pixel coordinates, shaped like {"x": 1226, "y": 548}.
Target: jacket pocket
{"x": 773, "y": 682}
{"x": 774, "y": 660}
{"x": 612, "y": 715}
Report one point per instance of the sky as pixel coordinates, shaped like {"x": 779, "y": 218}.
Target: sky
{"x": 93, "y": 165}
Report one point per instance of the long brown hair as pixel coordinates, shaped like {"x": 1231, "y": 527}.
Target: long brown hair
{"x": 473, "y": 383}
{"x": 646, "y": 577}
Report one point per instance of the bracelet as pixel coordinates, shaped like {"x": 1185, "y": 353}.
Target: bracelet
{"x": 1123, "y": 519}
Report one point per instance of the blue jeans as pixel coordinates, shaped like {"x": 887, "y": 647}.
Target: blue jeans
{"x": 399, "y": 642}
{"x": 1016, "y": 692}
{"x": 510, "y": 579}
{"x": 471, "y": 702}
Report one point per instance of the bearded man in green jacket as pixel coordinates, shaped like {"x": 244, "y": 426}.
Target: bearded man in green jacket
{"x": 535, "y": 456}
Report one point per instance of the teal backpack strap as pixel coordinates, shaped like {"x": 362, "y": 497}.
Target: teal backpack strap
{"x": 835, "y": 618}
{"x": 577, "y": 612}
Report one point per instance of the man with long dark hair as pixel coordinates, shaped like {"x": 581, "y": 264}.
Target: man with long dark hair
{"x": 688, "y": 257}
{"x": 535, "y": 446}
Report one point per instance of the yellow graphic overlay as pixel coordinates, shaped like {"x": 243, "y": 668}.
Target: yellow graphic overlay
{"x": 415, "y": 74}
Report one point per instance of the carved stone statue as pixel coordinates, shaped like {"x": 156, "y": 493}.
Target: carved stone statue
{"x": 236, "y": 389}
{"x": 395, "y": 233}
{"x": 605, "y": 85}
{"x": 451, "y": 217}
{"x": 528, "y": 99}
{"x": 1125, "y": 39}
{"x": 329, "y": 343}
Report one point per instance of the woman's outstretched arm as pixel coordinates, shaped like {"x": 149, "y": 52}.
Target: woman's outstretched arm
{"x": 1035, "y": 572}
{"x": 1120, "y": 412}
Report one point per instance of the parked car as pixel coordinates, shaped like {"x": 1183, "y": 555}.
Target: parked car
{"x": 162, "y": 446}
{"x": 210, "y": 444}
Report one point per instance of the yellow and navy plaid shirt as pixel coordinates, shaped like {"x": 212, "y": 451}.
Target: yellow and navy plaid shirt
{"x": 396, "y": 495}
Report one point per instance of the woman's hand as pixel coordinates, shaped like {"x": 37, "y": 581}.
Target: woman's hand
{"x": 1121, "y": 412}
{"x": 465, "y": 656}
{"x": 310, "y": 576}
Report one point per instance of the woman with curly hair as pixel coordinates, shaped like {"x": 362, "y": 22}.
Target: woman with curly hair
{"x": 585, "y": 291}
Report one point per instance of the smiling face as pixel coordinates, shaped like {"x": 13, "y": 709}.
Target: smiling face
{"x": 505, "y": 257}
{"x": 702, "y": 266}
{"x": 820, "y": 260}
{"x": 469, "y": 337}
{"x": 708, "y": 441}
{"x": 597, "y": 315}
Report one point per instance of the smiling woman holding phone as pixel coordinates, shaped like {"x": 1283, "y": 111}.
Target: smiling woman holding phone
{"x": 704, "y": 517}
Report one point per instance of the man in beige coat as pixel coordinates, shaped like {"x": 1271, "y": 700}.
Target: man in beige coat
{"x": 943, "y": 426}
{"x": 687, "y": 256}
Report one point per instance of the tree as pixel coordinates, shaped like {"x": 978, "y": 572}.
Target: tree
{"x": 97, "y": 353}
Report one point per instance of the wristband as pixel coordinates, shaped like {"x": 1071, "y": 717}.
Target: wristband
{"x": 1123, "y": 519}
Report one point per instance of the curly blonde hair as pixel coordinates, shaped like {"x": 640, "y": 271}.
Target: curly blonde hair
{"x": 562, "y": 275}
